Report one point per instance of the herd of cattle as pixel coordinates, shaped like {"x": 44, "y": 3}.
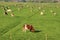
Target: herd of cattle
{"x": 26, "y": 26}
{"x": 42, "y": 12}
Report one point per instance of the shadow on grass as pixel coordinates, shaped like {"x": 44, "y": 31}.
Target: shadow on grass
{"x": 36, "y": 31}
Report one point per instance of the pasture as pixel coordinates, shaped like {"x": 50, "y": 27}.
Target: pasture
{"x": 47, "y": 26}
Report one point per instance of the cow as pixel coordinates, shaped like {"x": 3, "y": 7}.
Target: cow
{"x": 8, "y": 9}
{"x": 28, "y": 27}
{"x": 5, "y": 12}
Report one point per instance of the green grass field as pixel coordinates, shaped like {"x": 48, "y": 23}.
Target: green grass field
{"x": 48, "y": 24}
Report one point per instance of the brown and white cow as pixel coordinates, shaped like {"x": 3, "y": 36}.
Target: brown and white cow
{"x": 28, "y": 27}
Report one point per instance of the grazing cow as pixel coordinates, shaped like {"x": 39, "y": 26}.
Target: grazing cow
{"x": 5, "y": 11}
{"x": 8, "y": 9}
{"x": 28, "y": 27}
{"x": 54, "y": 13}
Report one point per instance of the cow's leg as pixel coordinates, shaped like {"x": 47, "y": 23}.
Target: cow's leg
{"x": 5, "y": 13}
{"x": 24, "y": 29}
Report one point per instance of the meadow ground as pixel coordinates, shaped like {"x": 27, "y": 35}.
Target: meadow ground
{"x": 48, "y": 24}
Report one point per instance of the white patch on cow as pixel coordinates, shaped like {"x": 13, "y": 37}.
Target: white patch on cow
{"x": 41, "y": 13}
{"x": 26, "y": 27}
{"x": 9, "y": 10}
{"x": 12, "y": 14}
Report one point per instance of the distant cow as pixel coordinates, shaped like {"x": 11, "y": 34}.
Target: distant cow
{"x": 8, "y": 9}
{"x": 5, "y": 12}
{"x": 28, "y": 27}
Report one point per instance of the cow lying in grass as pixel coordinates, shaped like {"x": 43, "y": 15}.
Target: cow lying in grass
{"x": 28, "y": 27}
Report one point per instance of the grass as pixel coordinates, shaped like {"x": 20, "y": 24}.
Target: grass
{"x": 48, "y": 25}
